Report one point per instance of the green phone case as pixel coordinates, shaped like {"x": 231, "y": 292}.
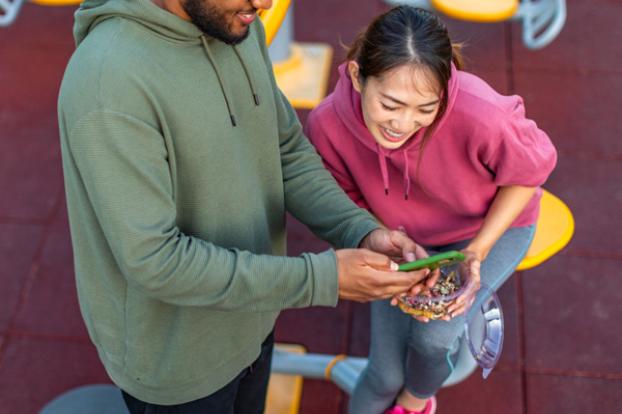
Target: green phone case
{"x": 433, "y": 262}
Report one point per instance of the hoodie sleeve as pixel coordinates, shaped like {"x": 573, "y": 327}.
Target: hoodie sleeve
{"x": 121, "y": 164}
{"x": 311, "y": 193}
{"x": 321, "y": 140}
{"x": 520, "y": 153}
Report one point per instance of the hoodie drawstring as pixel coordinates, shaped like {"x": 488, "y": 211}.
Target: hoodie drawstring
{"x": 406, "y": 176}
{"x": 383, "y": 169}
{"x": 212, "y": 61}
{"x": 208, "y": 52}
{"x": 248, "y": 76}
{"x": 382, "y": 161}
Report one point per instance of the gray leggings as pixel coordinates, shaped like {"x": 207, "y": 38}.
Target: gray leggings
{"x": 406, "y": 353}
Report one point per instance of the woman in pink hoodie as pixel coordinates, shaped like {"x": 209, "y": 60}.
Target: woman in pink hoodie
{"x": 436, "y": 152}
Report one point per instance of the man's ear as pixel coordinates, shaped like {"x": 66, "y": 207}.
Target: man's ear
{"x": 353, "y": 70}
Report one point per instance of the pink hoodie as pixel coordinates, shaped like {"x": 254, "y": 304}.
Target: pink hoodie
{"x": 482, "y": 142}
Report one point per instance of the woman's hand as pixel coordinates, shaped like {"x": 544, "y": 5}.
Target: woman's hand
{"x": 469, "y": 267}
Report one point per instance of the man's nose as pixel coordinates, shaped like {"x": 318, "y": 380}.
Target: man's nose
{"x": 261, "y": 4}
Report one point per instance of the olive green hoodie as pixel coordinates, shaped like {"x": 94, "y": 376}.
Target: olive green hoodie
{"x": 181, "y": 158}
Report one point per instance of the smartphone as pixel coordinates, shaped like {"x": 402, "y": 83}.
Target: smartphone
{"x": 433, "y": 262}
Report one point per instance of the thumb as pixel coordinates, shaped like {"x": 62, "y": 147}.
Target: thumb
{"x": 379, "y": 261}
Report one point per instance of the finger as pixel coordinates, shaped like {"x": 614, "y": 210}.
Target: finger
{"x": 433, "y": 278}
{"x": 421, "y": 318}
{"x": 416, "y": 276}
{"x": 390, "y": 243}
{"x": 466, "y": 297}
{"x": 459, "y": 308}
{"x": 469, "y": 293}
{"x": 417, "y": 289}
{"x": 409, "y": 256}
{"x": 420, "y": 252}
{"x": 408, "y": 246}
{"x": 404, "y": 244}
{"x": 395, "y": 283}
{"x": 379, "y": 261}
{"x": 458, "y": 312}
{"x": 454, "y": 306}
{"x": 411, "y": 251}
{"x": 398, "y": 259}
{"x": 475, "y": 266}
{"x": 457, "y": 302}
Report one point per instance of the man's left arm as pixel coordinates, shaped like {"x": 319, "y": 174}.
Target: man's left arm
{"x": 311, "y": 193}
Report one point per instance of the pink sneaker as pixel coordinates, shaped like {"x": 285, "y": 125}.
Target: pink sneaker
{"x": 430, "y": 408}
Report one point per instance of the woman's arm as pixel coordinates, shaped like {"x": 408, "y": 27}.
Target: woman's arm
{"x": 506, "y": 206}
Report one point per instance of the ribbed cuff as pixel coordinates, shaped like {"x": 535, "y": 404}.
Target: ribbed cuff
{"x": 325, "y": 279}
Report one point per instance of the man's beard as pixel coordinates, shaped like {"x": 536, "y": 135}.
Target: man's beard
{"x": 211, "y": 22}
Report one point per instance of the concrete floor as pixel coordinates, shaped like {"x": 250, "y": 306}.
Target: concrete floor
{"x": 563, "y": 340}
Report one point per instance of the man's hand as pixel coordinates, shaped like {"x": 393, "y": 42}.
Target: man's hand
{"x": 365, "y": 275}
{"x": 397, "y": 245}
{"x": 393, "y": 243}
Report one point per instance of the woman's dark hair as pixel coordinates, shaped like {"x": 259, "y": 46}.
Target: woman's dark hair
{"x": 406, "y": 35}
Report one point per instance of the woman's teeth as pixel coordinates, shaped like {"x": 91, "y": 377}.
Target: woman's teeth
{"x": 393, "y": 134}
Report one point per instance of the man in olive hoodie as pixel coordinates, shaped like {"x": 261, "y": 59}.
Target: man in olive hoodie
{"x": 181, "y": 157}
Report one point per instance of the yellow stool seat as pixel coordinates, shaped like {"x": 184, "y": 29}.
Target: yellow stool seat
{"x": 477, "y": 10}
{"x": 554, "y": 230}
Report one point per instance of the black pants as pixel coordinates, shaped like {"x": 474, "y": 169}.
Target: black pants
{"x": 245, "y": 394}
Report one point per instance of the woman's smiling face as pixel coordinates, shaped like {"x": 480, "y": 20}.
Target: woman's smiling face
{"x": 398, "y": 103}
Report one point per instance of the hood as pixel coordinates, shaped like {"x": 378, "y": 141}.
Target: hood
{"x": 144, "y": 12}
{"x": 348, "y": 106}
{"x": 159, "y": 21}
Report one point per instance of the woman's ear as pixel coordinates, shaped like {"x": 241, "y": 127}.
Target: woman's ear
{"x": 353, "y": 70}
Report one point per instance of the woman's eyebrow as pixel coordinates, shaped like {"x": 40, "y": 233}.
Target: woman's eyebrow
{"x": 397, "y": 101}
{"x": 434, "y": 102}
